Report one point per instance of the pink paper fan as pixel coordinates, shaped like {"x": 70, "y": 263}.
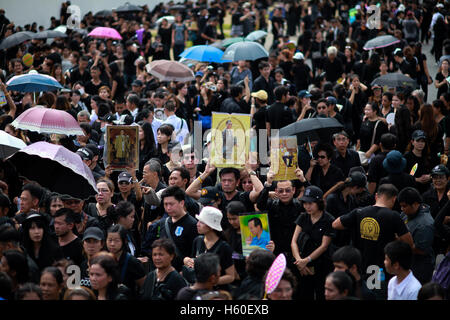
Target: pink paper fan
{"x": 275, "y": 273}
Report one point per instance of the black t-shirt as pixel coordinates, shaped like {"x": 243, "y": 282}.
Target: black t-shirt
{"x": 372, "y": 229}
{"x": 183, "y": 233}
{"x": 376, "y": 170}
{"x": 325, "y": 182}
{"x": 165, "y": 290}
{"x": 73, "y": 251}
{"x": 92, "y": 88}
{"x": 278, "y": 115}
{"x": 366, "y": 133}
{"x": 133, "y": 271}
{"x": 187, "y": 293}
{"x": 316, "y": 232}
{"x": 221, "y": 248}
{"x": 440, "y": 77}
{"x": 259, "y": 119}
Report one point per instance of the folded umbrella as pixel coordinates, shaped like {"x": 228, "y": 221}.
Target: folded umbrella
{"x": 15, "y": 39}
{"x": 9, "y": 144}
{"x": 56, "y": 168}
{"x": 321, "y": 127}
{"x": 45, "y": 120}
{"x": 168, "y": 70}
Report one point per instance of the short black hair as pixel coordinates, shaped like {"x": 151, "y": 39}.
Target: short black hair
{"x": 235, "y": 171}
{"x": 257, "y": 221}
{"x": 388, "y": 141}
{"x": 259, "y": 262}
{"x": 173, "y": 191}
{"x": 401, "y": 252}
{"x": 409, "y": 195}
{"x": 236, "y": 90}
{"x": 280, "y": 92}
{"x": 34, "y": 189}
{"x": 166, "y": 244}
{"x": 206, "y": 265}
{"x": 235, "y": 208}
{"x": 324, "y": 147}
{"x": 68, "y": 213}
{"x": 184, "y": 173}
{"x": 388, "y": 190}
{"x": 349, "y": 255}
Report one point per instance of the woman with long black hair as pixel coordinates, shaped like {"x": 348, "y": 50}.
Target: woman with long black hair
{"x": 147, "y": 147}
{"x": 39, "y": 243}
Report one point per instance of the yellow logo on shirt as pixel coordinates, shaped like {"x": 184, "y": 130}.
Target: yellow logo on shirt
{"x": 369, "y": 229}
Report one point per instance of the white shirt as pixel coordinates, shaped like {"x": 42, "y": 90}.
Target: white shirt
{"x": 405, "y": 290}
{"x": 178, "y": 124}
{"x": 155, "y": 125}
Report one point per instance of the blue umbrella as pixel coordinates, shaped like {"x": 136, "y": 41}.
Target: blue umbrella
{"x": 33, "y": 82}
{"x": 204, "y": 53}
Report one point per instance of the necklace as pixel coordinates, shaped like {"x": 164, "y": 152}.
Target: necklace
{"x": 161, "y": 277}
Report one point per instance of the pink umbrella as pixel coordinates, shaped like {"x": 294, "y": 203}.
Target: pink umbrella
{"x": 45, "y": 120}
{"x": 105, "y": 33}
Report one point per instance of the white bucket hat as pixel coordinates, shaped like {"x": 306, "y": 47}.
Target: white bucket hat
{"x": 210, "y": 216}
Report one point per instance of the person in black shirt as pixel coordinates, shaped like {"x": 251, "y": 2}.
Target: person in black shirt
{"x": 332, "y": 65}
{"x": 207, "y": 274}
{"x": 209, "y": 33}
{"x": 436, "y": 195}
{"x": 164, "y": 282}
{"x": 348, "y": 258}
{"x": 310, "y": 245}
{"x": 70, "y": 244}
{"x": 278, "y": 115}
{"x": 209, "y": 227}
{"x": 321, "y": 172}
{"x": 81, "y": 73}
{"x": 131, "y": 270}
{"x": 344, "y": 158}
{"x": 95, "y": 83}
{"x": 265, "y": 81}
{"x": 177, "y": 225}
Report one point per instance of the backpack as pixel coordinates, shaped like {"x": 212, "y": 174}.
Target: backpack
{"x": 442, "y": 274}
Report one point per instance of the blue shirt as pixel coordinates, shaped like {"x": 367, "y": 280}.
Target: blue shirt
{"x": 262, "y": 241}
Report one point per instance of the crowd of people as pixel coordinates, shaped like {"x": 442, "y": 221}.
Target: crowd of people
{"x": 366, "y": 218}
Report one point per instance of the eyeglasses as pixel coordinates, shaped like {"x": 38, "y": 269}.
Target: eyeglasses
{"x": 321, "y": 108}
{"x": 281, "y": 191}
{"x": 439, "y": 177}
{"x": 124, "y": 183}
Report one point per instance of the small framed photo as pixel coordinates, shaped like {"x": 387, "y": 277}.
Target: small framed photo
{"x": 122, "y": 146}
{"x": 255, "y": 233}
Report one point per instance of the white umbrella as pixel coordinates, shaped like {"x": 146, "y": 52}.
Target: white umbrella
{"x": 9, "y": 144}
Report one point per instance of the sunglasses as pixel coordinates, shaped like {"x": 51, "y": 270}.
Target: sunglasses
{"x": 281, "y": 191}
{"x": 321, "y": 157}
{"x": 124, "y": 183}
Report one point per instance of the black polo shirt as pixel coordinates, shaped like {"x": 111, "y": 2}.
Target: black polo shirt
{"x": 376, "y": 170}
{"x": 350, "y": 160}
{"x": 221, "y": 248}
{"x": 129, "y": 273}
{"x": 278, "y": 115}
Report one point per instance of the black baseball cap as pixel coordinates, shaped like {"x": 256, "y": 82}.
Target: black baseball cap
{"x": 418, "y": 134}
{"x": 125, "y": 176}
{"x": 440, "y": 170}
{"x": 85, "y": 154}
{"x": 209, "y": 195}
{"x": 93, "y": 233}
{"x": 312, "y": 194}
{"x": 356, "y": 179}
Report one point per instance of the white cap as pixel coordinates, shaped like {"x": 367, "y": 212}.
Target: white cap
{"x": 299, "y": 56}
{"x": 439, "y": 5}
{"x": 401, "y": 7}
{"x": 210, "y": 216}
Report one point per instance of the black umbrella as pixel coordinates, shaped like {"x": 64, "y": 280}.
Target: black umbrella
{"x": 127, "y": 7}
{"x": 47, "y": 34}
{"x": 320, "y": 127}
{"x": 15, "y": 39}
{"x": 394, "y": 80}
{"x": 103, "y": 14}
